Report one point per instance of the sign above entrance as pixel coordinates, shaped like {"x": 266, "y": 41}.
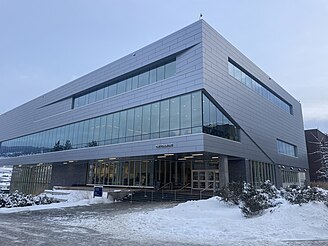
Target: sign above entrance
{"x": 161, "y": 146}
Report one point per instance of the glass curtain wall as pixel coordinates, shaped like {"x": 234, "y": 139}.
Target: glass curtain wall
{"x": 216, "y": 123}
{"x": 32, "y": 179}
{"x": 150, "y": 76}
{"x": 122, "y": 173}
{"x": 181, "y": 115}
{"x": 261, "y": 172}
{"x": 238, "y": 74}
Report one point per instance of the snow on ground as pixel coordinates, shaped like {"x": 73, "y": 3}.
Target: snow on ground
{"x": 72, "y": 198}
{"x": 205, "y": 222}
{"x": 212, "y": 221}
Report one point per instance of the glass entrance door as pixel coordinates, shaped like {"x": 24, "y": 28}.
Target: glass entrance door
{"x": 174, "y": 174}
{"x": 205, "y": 179}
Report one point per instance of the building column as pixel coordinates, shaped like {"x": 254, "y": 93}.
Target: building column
{"x": 248, "y": 172}
{"x": 223, "y": 171}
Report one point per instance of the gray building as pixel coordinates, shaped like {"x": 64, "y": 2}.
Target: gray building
{"x": 188, "y": 110}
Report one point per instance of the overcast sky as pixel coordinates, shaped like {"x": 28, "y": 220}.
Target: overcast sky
{"x": 45, "y": 44}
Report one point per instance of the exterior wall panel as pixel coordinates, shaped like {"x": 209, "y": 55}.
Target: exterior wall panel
{"x": 201, "y": 63}
{"x": 263, "y": 121}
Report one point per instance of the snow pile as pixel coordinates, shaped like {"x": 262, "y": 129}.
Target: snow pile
{"x": 254, "y": 202}
{"x": 212, "y": 222}
{"x": 69, "y": 198}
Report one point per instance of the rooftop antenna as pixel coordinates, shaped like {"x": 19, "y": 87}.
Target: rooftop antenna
{"x": 200, "y": 16}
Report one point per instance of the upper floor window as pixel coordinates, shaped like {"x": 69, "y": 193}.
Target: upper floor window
{"x": 285, "y": 148}
{"x": 180, "y": 115}
{"x": 257, "y": 87}
{"x": 152, "y": 75}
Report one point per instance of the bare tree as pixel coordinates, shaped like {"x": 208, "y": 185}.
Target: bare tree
{"x": 323, "y": 170}
{"x": 322, "y": 150}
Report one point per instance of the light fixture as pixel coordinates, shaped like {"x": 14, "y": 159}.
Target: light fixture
{"x": 70, "y": 161}
{"x": 100, "y": 160}
{"x": 189, "y": 157}
{"x": 299, "y": 170}
{"x": 161, "y": 156}
{"x": 182, "y": 159}
{"x": 215, "y": 157}
{"x": 200, "y": 154}
{"x": 291, "y": 168}
{"x": 168, "y": 154}
{"x": 112, "y": 158}
{"x": 65, "y": 163}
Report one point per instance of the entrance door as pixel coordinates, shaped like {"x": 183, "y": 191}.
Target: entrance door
{"x": 174, "y": 174}
{"x": 205, "y": 179}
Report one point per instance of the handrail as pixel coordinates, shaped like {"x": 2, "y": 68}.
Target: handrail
{"x": 161, "y": 188}
{"x": 200, "y": 193}
{"x": 184, "y": 186}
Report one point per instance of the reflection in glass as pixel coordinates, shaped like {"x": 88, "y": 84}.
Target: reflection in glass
{"x": 139, "y": 80}
{"x": 170, "y": 117}
{"x": 257, "y": 87}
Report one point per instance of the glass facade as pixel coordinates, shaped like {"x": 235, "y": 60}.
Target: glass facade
{"x": 261, "y": 172}
{"x": 147, "y": 77}
{"x": 216, "y": 123}
{"x": 289, "y": 177}
{"x": 285, "y": 148}
{"x": 122, "y": 172}
{"x": 31, "y": 179}
{"x": 180, "y": 115}
{"x": 257, "y": 87}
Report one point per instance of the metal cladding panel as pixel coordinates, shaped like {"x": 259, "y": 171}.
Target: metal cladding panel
{"x": 54, "y": 109}
{"x": 202, "y": 63}
{"x": 263, "y": 121}
{"x": 240, "y": 149}
{"x": 181, "y": 144}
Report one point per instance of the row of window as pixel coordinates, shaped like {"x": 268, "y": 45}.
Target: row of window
{"x": 31, "y": 179}
{"x": 258, "y": 88}
{"x": 125, "y": 173}
{"x": 151, "y": 76}
{"x": 176, "y": 116}
{"x": 289, "y": 177}
{"x": 285, "y": 148}
{"x": 261, "y": 172}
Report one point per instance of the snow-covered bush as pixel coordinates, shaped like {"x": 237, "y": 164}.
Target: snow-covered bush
{"x": 254, "y": 201}
{"x": 232, "y": 193}
{"x": 269, "y": 190}
{"x": 18, "y": 199}
{"x": 305, "y": 194}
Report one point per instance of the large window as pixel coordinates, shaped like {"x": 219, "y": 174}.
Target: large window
{"x": 152, "y": 75}
{"x": 285, "y": 148}
{"x": 31, "y": 179}
{"x": 216, "y": 123}
{"x": 180, "y": 115}
{"x": 122, "y": 173}
{"x": 257, "y": 87}
{"x": 261, "y": 172}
